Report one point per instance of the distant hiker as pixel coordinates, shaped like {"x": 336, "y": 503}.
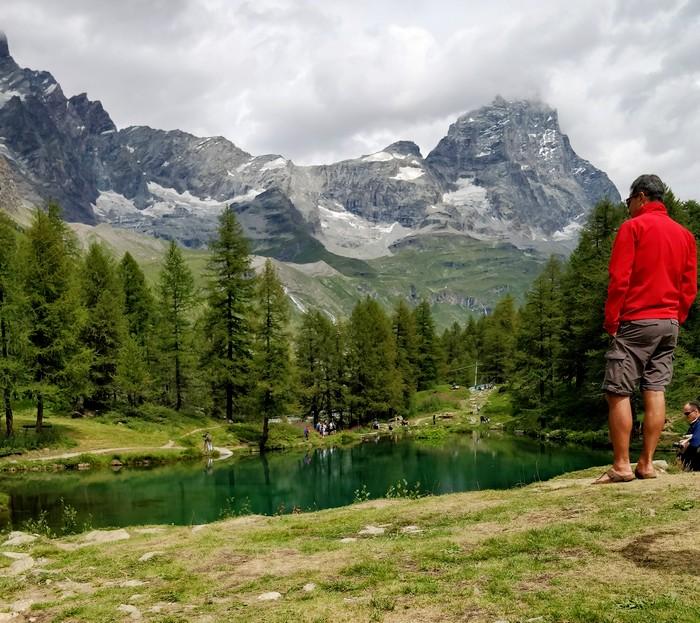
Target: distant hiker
{"x": 652, "y": 284}
{"x": 208, "y": 447}
{"x": 306, "y": 433}
{"x": 689, "y": 445}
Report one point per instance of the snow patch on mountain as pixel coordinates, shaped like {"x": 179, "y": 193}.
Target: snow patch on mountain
{"x": 570, "y": 232}
{"x": 250, "y": 194}
{"x": 110, "y": 206}
{"x": 172, "y": 201}
{"x": 467, "y": 197}
{"x": 408, "y": 174}
{"x": 6, "y": 96}
{"x": 277, "y": 163}
{"x": 384, "y": 156}
{"x": 350, "y": 235}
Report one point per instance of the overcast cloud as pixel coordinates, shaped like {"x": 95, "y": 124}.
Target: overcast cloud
{"x": 323, "y": 80}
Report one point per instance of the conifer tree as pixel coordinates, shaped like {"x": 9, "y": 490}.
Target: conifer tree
{"x": 138, "y": 300}
{"x": 404, "y": 328}
{"x": 272, "y": 364}
{"x": 375, "y": 385}
{"x": 104, "y": 327}
{"x": 540, "y": 337}
{"x": 50, "y": 285}
{"x": 12, "y": 330}
{"x": 428, "y": 348}
{"x": 499, "y": 340}
{"x": 310, "y": 343}
{"x": 584, "y": 288}
{"x": 176, "y": 299}
{"x": 227, "y": 356}
{"x": 132, "y": 376}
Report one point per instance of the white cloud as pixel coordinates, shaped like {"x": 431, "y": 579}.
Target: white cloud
{"x": 318, "y": 81}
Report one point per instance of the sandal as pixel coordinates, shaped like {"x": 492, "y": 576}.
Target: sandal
{"x": 612, "y": 477}
{"x": 642, "y": 476}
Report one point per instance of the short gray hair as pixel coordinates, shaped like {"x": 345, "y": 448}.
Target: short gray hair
{"x": 650, "y": 185}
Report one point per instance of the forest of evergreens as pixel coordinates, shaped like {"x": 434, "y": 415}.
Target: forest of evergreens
{"x": 83, "y": 333}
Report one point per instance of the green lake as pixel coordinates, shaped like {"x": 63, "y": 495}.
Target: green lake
{"x": 187, "y": 494}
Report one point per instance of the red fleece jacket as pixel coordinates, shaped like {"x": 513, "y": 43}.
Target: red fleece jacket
{"x": 653, "y": 269}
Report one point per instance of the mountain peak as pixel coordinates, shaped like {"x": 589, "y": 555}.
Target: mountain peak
{"x": 4, "y": 47}
{"x": 405, "y": 148}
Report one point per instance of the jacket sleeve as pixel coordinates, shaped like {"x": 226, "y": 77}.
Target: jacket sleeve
{"x": 689, "y": 281}
{"x": 619, "y": 271}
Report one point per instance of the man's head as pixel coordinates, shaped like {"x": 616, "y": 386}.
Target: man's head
{"x": 691, "y": 410}
{"x": 644, "y": 189}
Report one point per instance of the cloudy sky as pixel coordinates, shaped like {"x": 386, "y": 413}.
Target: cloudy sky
{"x": 322, "y": 80}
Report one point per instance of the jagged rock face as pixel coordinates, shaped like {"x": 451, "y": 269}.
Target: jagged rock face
{"x": 503, "y": 172}
{"x": 393, "y": 185}
{"x": 47, "y": 136}
{"x": 517, "y": 153}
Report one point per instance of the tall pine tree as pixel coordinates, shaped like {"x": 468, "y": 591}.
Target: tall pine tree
{"x": 12, "y": 329}
{"x": 104, "y": 328}
{"x": 50, "y": 285}
{"x": 272, "y": 363}
{"x": 176, "y": 299}
{"x": 227, "y": 356}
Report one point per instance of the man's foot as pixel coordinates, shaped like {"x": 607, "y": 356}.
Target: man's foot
{"x": 612, "y": 477}
{"x": 644, "y": 474}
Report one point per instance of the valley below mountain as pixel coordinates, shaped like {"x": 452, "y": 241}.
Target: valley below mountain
{"x": 470, "y": 221}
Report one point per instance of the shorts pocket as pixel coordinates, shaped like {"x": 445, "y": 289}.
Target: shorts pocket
{"x": 615, "y": 366}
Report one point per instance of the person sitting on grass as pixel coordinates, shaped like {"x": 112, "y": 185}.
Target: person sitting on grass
{"x": 689, "y": 445}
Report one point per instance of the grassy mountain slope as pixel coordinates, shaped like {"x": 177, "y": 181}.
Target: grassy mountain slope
{"x": 459, "y": 275}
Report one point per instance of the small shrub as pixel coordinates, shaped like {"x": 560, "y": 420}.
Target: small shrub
{"x": 231, "y": 509}
{"x": 361, "y": 495}
{"x": 40, "y": 525}
{"x": 402, "y": 490}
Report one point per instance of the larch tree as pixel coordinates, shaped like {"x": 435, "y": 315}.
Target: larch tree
{"x": 227, "y": 319}
{"x": 104, "y": 328}
{"x": 272, "y": 350}
{"x": 176, "y": 300}
{"x": 50, "y": 284}
{"x": 12, "y": 329}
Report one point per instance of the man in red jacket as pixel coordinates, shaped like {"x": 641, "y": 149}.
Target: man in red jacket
{"x": 653, "y": 283}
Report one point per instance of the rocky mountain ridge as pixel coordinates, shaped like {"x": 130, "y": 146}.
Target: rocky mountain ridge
{"x": 503, "y": 172}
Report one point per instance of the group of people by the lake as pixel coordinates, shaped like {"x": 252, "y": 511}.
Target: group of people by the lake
{"x": 322, "y": 428}
{"x": 652, "y": 285}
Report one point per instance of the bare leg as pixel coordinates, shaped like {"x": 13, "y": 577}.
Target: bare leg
{"x": 620, "y": 424}
{"x": 654, "y": 419}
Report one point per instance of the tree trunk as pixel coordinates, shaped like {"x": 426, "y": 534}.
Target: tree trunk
{"x": 6, "y": 390}
{"x": 265, "y": 433}
{"x": 178, "y": 381}
{"x": 229, "y": 402}
{"x": 9, "y": 420}
{"x": 39, "y": 412}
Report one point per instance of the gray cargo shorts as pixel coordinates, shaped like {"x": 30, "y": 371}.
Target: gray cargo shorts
{"x": 642, "y": 349}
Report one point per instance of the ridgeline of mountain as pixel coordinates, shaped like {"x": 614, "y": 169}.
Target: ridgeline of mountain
{"x": 504, "y": 172}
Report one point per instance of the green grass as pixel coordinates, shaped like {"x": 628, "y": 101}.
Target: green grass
{"x": 556, "y": 551}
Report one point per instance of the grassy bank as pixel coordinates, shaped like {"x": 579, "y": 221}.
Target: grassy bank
{"x": 555, "y": 551}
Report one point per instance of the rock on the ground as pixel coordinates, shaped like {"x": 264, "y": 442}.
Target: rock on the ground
{"x": 348, "y": 539}
{"x": 105, "y": 536}
{"x": 22, "y": 605}
{"x": 20, "y": 564}
{"x": 131, "y": 583}
{"x": 132, "y": 611}
{"x": 372, "y": 531}
{"x": 148, "y": 555}
{"x": 309, "y": 587}
{"x": 411, "y": 530}
{"x": 19, "y": 538}
{"x": 271, "y": 596}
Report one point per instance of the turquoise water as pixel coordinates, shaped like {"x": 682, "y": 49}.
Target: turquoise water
{"x": 281, "y": 482}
